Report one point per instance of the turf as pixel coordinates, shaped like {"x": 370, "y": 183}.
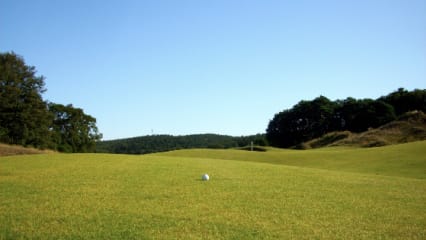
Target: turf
{"x": 403, "y": 160}
{"x": 95, "y": 196}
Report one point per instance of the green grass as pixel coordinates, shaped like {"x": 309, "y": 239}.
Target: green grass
{"x": 404, "y": 160}
{"x": 160, "y": 196}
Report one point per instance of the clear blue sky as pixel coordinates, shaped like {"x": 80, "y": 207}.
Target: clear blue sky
{"x": 222, "y": 66}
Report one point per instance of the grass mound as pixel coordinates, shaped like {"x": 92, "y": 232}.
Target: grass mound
{"x": 327, "y": 140}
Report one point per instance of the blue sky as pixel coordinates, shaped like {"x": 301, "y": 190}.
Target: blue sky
{"x": 226, "y": 67}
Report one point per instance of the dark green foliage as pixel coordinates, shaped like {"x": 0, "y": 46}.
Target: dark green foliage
{"x": 258, "y": 140}
{"x": 404, "y": 101}
{"x": 74, "y": 131}
{"x": 26, "y": 119}
{"x": 161, "y": 143}
{"x": 308, "y": 120}
{"x": 359, "y": 115}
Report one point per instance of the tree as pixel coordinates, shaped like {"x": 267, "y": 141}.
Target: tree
{"x": 305, "y": 121}
{"x": 24, "y": 118}
{"x": 404, "y": 101}
{"x": 280, "y": 129}
{"x": 359, "y": 115}
{"x": 311, "y": 119}
{"x": 74, "y": 131}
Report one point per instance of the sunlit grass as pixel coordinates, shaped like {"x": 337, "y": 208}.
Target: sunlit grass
{"x": 405, "y": 160}
{"x": 90, "y": 196}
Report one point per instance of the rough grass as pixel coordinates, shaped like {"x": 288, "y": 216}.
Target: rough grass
{"x": 9, "y": 150}
{"x": 410, "y": 127}
{"x": 95, "y": 196}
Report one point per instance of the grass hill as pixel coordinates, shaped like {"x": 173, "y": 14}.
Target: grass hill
{"x": 408, "y": 128}
{"x": 329, "y": 193}
{"x": 7, "y": 150}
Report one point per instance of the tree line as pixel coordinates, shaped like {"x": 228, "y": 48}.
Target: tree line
{"x": 162, "y": 143}
{"x": 28, "y": 120}
{"x": 311, "y": 119}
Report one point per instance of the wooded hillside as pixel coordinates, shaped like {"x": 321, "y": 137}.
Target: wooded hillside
{"x": 161, "y": 143}
{"x": 308, "y": 120}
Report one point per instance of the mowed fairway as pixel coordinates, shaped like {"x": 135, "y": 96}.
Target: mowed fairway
{"x": 161, "y": 196}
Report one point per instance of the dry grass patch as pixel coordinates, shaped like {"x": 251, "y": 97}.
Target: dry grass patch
{"x": 9, "y": 150}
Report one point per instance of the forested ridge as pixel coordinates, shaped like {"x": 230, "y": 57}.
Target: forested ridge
{"x": 161, "y": 143}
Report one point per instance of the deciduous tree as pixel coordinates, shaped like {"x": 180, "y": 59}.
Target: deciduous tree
{"x": 24, "y": 118}
{"x": 74, "y": 131}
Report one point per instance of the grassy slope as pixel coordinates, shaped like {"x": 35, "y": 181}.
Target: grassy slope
{"x": 71, "y": 196}
{"x": 405, "y": 160}
{"x": 410, "y": 127}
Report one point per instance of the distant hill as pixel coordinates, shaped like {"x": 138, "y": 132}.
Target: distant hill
{"x": 8, "y": 150}
{"x": 409, "y": 127}
{"x": 162, "y": 143}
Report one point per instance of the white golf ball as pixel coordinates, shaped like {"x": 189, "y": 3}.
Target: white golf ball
{"x": 205, "y": 177}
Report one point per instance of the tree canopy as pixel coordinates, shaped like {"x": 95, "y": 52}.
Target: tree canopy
{"x": 311, "y": 119}
{"x": 73, "y": 131}
{"x": 26, "y": 119}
